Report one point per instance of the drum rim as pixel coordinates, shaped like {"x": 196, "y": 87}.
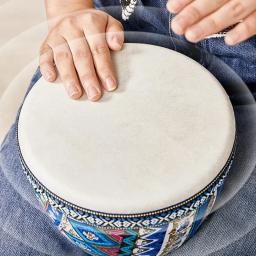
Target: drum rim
{"x": 211, "y": 186}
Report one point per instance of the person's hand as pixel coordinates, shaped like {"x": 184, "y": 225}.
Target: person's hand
{"x": 78, "y": 48}
{"x": 197, "y": 19}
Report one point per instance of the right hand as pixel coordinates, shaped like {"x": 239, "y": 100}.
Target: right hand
{"x": 78, "y": 47}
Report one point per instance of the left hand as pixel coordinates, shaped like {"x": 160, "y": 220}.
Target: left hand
{"x": 197, "y": 19}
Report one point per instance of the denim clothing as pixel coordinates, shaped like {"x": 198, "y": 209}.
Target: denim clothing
{"x": 231, "y": 230}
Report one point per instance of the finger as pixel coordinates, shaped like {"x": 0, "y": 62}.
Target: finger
{"x": 193, "y": 13}
{"x": 96, "y": 38}
{"x": 231, "y": 13}
{"x": 46, "y": 63}
{"x": 242, "y": 31}
{"x": 64, "y": 63}
{"x": 176, "y": 6}
{"x": 84, "y": 66}
{"x": 114, "y": 34}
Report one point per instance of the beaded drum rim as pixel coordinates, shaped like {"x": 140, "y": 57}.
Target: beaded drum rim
{"x": 191, "y": 203}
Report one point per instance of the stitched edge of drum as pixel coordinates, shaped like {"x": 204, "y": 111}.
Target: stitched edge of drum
{"x": 166, "y": 214}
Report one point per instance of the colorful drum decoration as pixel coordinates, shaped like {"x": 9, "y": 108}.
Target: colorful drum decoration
{"x": 137, "y": 172}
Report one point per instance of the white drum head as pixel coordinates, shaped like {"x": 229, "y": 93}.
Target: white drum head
{"x": 162, "y": 137}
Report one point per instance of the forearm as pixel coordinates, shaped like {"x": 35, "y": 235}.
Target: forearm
{"x": 56, "y": 9}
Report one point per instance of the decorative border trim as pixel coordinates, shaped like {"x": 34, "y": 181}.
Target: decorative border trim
{"x": 125, "y": 222}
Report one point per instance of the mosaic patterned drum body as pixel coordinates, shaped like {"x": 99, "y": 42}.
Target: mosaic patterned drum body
{"x": 137, "y": 172}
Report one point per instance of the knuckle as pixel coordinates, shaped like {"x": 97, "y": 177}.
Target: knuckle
{"x": 42, "y": 51}
{"x": 55, "y": 32}
{"x": 91, "y": 17}
{"x": 249, "y": 28}
{"x": 67, "y": 22}
{"x": 101, "y": 13}
{"x": 213, "y": 23}
{"x": 237, "y": 9}
{"x": 195, "y": 13}
{"x": 44, "y": 63}
{"x": 218, "y": 3}
{"x": 252, "y": 24}
{"x": 62, "y": 56}
{"x": 99, "y": 49}
{"x": 68, "y": 79}
{"x": 80, "y": 54}
{"x": 105, "y": 72}
{"x": 88, "y": 77}
{"x": 44, "y": 48}
{"x": 96, "y": 17}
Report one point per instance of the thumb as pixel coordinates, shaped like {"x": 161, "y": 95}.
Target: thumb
{"x": 114, "y": 34}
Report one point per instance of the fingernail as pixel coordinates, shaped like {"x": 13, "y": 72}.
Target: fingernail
{"x": 92, "y": 92}
{"x": 179, "y": 25}
{"x": 73, "y": 91}
{"x": 110, "y": 84}
{"x": 194, "y": 34}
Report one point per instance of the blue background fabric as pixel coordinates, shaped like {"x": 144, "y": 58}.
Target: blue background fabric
{"x": 230, "y": 230}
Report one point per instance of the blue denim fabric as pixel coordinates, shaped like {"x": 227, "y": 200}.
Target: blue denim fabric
{"x": 150, "y": 19}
